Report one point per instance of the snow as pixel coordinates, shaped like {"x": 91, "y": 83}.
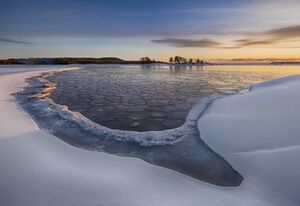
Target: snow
{"x": 259, "y": 134}
{"x": 24, "y": 68}
{"x": 39, "y": 169}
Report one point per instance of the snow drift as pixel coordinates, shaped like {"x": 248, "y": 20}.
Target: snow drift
{"x": 259, "y": 134}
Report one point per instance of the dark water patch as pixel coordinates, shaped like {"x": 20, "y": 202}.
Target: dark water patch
{"x": 137, "y": 98}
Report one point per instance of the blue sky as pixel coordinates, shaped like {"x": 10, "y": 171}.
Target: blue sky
{"x": 130, "y": 29}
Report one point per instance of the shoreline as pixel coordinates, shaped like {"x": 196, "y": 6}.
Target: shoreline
{"x": 164, "y": 64}
{"x": 81, "y": 177}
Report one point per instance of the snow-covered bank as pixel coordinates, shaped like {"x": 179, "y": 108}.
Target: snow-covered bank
{"x": 259, "y": 134}
{"x": 13, "y": 69}
{"x": 39, "y": 169}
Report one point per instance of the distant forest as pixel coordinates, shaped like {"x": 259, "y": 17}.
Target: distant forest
{"x": 174, "y": 60}
{"x": 67, "y": 60}
{"x": 103, "y": 60}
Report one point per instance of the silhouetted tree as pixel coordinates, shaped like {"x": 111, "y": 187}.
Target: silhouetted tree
{"x": 198, "y": 61}
{"x": 177, "y": 59}
{"x": 190, "y": 61}
{"x": 145, "y": 60}
{"x": 171, "y": 60}
{"x": 180, "y": 60}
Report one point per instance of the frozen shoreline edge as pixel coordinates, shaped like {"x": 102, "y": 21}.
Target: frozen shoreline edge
{"x": 43, "y": 89}
{"x": 81, "y": 132}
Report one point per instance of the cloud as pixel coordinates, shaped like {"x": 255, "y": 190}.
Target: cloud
{"x": 250, "y": 42}
{"x": 258, "y": 38}
{"x": 269, "y": 37}
{"x": 13, "y": 41}
{"x": 284, "y": 32}
{"x": 177, "y": 42}
{"x": 229, "y": 47}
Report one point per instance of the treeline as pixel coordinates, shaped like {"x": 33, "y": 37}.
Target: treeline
{"x": 148, "y": 60}
{"x": 67, "y": 60}
{"x": 103, "y": 60}
{"x": 182, "y": 60}
{"x": 174, "y": 60}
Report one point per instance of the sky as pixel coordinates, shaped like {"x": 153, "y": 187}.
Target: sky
{"x": 208, "y": 29}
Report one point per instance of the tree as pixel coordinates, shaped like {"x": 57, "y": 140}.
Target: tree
{"x": 177, "y": 59}
{"x": 145, "y": 60}
{"x": 198, "y": 61}
{"x": 190, "y": 61}
{"x": 180, "y": 60}
{"x": 171, "y": 60}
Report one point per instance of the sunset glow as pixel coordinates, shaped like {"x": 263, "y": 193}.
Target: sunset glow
{"x": 211, "y": 30}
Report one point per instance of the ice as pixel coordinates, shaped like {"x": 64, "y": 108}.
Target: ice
{"x": 179, "y": 149}
{"x": 107, "y": 95}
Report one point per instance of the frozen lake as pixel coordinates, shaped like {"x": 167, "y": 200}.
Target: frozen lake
{"x": 151, "y": 98}
{"x": 140, "y": 99}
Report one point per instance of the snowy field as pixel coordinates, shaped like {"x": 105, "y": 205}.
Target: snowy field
{"x": 256, "y": 132}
